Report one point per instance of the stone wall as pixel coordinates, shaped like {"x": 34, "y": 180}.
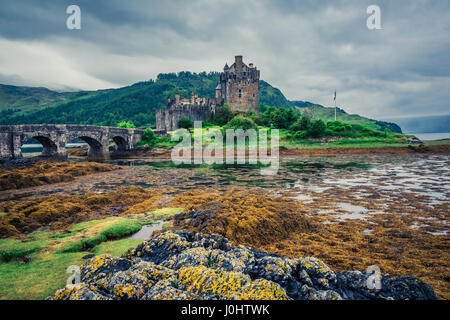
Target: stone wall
{"x": 167, "y": 119}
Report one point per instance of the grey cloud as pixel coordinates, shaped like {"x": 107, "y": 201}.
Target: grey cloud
{"x": 305, "y": 48}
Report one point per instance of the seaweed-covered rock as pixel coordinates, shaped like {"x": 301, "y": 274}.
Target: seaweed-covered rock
{"x": 183, "y": 265}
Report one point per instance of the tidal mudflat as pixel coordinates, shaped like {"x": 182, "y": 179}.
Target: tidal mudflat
{"x": 351, "y": 211}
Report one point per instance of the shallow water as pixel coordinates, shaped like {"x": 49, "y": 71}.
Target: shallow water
{"x": 146, "y": 231}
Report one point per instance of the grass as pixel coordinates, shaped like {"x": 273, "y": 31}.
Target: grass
{"x": 37, "y": 279}
{"x": 3, "y": 214}
{"x": 431, "y": 143}
{"x": 287, "y": 140}
{"x": 369, "y": 142}
{"x": 13, "y": 250}
{"x": 117, "y": 247}
{"x": 50, "y": 253}
{"x": 46, "y": 271}
{"x": 121, "y": 227}
{"x": 165, "y": 213}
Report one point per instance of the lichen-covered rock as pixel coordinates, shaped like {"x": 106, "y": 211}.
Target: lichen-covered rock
{"x": 210, "y": 283}
{"x": 316, "y": 272}
{"x": 80, "y": 292}
{"x": 183, "y": 265}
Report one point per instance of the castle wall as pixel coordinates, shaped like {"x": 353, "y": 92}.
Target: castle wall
{"x": 167, "y": 119}
{"x": 243, "y": 95}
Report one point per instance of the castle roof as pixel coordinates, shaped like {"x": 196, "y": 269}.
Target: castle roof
{"x": 219, "y": 86}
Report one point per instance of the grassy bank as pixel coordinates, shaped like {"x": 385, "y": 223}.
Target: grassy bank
{"x": 34, "y": 266}
{"x": 296, "y": 133}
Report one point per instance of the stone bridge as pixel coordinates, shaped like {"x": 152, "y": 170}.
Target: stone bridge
{"x": 54, "y": 139}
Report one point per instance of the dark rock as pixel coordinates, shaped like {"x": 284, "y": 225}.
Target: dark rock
{"x": 184, "y": 265}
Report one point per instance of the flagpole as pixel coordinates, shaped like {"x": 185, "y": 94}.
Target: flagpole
{"x": 335, "y": 105}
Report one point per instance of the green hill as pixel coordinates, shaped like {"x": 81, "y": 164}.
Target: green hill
{"x": 23, "y": 99}
{"x": 315, "y": 111}
{"x": 272, "y": 96}
{"x": 136, "y": 103}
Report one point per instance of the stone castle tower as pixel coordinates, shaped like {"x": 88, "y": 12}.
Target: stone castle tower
{"x": 238, "y": 88}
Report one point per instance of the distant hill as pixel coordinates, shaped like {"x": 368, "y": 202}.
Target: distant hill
{"x": 315, "y": 111}
{"x": 29, "y": 98}
{"x": 136, "y": 103}
{"x": 304, "y": 104}
{"x": 430, "y": 124}
{"x": 272, "y": 96}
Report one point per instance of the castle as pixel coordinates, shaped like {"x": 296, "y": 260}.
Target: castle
{"x": 238, "y": 88}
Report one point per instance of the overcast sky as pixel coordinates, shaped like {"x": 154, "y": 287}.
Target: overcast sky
{"x": 305, "y": 48}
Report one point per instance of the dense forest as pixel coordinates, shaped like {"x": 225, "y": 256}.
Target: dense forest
{"x": 136, "y": 103}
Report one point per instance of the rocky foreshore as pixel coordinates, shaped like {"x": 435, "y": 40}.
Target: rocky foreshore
{"x": 184, "y": 265}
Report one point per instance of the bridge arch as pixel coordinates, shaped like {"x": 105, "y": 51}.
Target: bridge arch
{"x": 50, "y": 147}
{"x": 121, "y": 143}
{"x": 95, "y": 145}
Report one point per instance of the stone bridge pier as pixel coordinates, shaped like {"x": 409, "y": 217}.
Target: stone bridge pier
{"x": 54, "y": 139}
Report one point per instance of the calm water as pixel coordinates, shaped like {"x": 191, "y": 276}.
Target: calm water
{"x": 37, "y": 147}
{"x": 432, "y": 136}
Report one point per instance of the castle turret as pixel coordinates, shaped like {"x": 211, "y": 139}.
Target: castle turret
{"x": 218, "y": 91}
{"x": 238, "y": 64}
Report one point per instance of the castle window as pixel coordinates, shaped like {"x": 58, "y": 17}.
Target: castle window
{"x": 240, "y": 93}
